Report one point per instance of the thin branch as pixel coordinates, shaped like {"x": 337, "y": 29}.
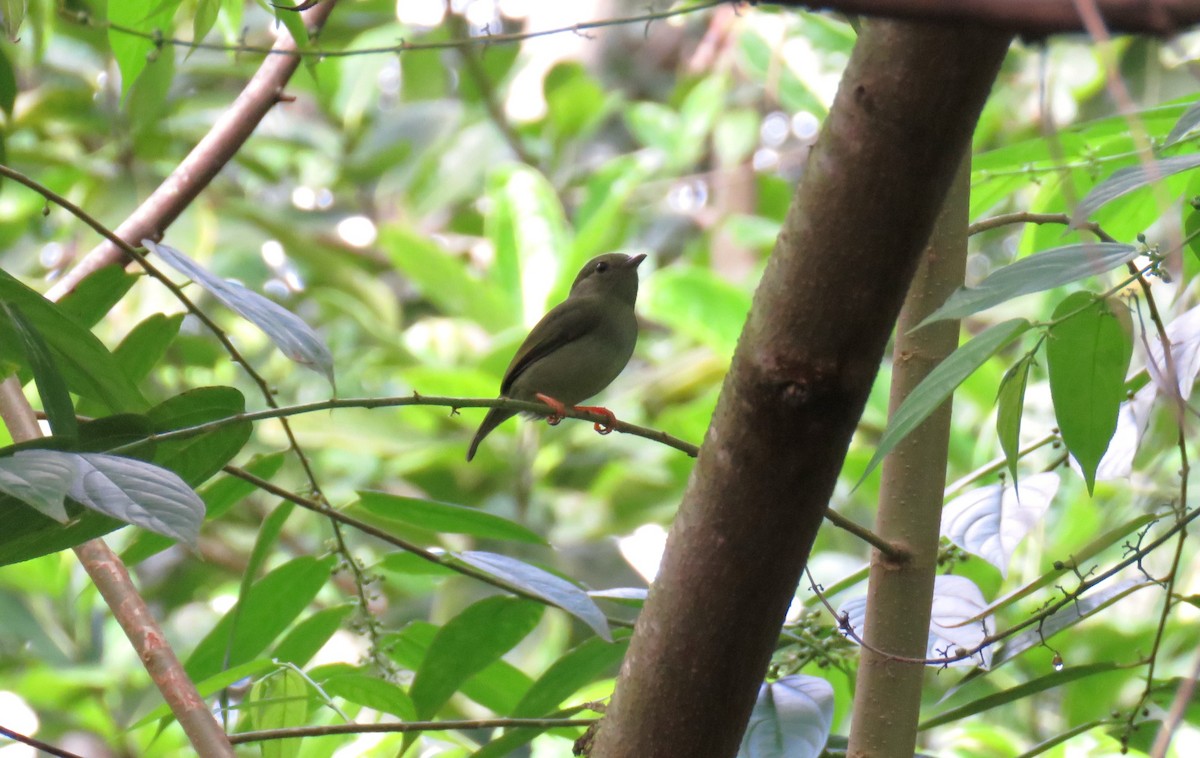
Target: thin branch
{"x": 866, "y": 535}
{"x": 446, "y": 560}
{"x": 1179, "y": 705}
{"x": 45, "y": 747}
{"x": 454, "y": 403}
{"x": 292, "y": 53}
{"x": 406, "y": 726}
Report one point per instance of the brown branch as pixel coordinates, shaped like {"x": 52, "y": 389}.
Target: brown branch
{"x": 33, "y": 742}
{"x": 1035, "y": 18}
{"x": 130, "y": 609}
{"x": 202, "y": 164}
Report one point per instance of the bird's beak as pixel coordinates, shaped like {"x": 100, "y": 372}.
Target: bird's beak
{"x": 634, "y": 260}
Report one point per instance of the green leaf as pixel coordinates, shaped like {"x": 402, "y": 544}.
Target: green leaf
{"x": 1021, "y": 691}
{"x": 577, "y": 668}
{"x": 211, "y": 687}
{"x": 1128, "y": 179}
{"x": 277, "y": 702}
{"x": 444, "y": 280}
{"x": 271, "y": 604}
{"x": 528, "y": 230}
{"x": 371, "y": 692}
{"x": 287, "y": 331}
{"x": 698, "y": 303}
{"x": 205, "y": 18}
{"x": 445, "y": 517}
{"x": 8, "y": 80}
{"x": 1010, "y": 403}
{"x": 941, "y": 383}
{"x": 219, "y": 496}
{"x": 87, "y": 366}
{"x": 1035, "y": 273}
{"x": 1186, "y": 123}
{"x": 575, "y": 102}
{"x": 51, "y": 386}
{"x": 146, "y": 344}
{"x": 545, "y": 585}
{"x": 498, "y": 687}
{"x": 305, "y": 639}
{"x": 197, "y": 458}
{"x": 1087, "y": 356}
{"x": 96, "y": 295}
{"x": 13, "y": 12}
{"x": 467, "y": 644}
{"x": 133, "y": 52}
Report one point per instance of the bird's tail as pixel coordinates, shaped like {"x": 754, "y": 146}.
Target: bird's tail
{"x": 494, "y": 418}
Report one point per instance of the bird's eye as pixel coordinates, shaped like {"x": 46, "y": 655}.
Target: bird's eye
{"x": 601, "y": 267}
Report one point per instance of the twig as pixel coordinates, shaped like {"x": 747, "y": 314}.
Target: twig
{"x": 294, "y": 54}
{"x": 405, "y": 726}
{"x": 45, "y": 747}
{"x": 441, "y": 559}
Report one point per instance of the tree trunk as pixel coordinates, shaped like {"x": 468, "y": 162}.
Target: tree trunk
{"x": 887, "y": 697}
{"x": 804, "y": 366}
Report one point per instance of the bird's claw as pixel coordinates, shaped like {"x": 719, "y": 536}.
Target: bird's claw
{"x": 558, "y": 411}
{"x": 602, "y": 427}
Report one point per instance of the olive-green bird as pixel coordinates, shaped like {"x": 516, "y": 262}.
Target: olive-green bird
{"x": 579, "y": 347}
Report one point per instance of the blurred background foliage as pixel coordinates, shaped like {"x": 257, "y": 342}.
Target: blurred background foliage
{"x": 422, "y": 210}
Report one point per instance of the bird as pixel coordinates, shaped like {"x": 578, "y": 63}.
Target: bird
{"x": 578, "y": 347}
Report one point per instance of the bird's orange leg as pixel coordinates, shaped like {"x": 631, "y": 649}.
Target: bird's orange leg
{"x": 610, "y": 418}
{"x": 558, "y": 410}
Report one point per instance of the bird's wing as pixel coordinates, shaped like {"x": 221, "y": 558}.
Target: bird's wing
{"x": 557, "y": 328}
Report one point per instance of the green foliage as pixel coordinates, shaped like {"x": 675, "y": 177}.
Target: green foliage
{"x": 418, "y": 213}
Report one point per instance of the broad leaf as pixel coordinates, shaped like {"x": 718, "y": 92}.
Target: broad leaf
{"x": 137, "y": 492}
{"x": 51, "y": 386}
{"x": 1050, "y": 681}
{"x": 371, "y": 692}
{"x": 277, "y": 702}
{"x": 272, "y": 603}
{"x": 1087, "y": 355}
{"x": 956, "y": 620}
{"x": 305, "y": 639}
{"x": 545, "y": 585}
{"x": 291, "y": 335}
{"x": 991, "y": 521}
{"x": 528, "y": 229}
{"x": 1010, "y": 404}
{"x": 1186, "y": 123}
{"x": 1034, "y": 273}
{"x": 87, "y": 366}
{"x": 1126, "y": 180}
{"x": 446, "y": 517}
{"x": 133, "y": 52}
{"x": 467, "y": 644}
{"x": 40, "y": 481}
{"x": 933, "y": 390}
{"x": 792, "y": 718}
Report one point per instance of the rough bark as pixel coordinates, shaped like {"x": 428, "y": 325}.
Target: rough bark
{"x": 800, "y": 377}
{"x": 887, "y": 698}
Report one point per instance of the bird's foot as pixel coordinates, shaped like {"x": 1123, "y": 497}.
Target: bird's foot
{"x": 558, "y": 411}
{"x": 610, "y": 418}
